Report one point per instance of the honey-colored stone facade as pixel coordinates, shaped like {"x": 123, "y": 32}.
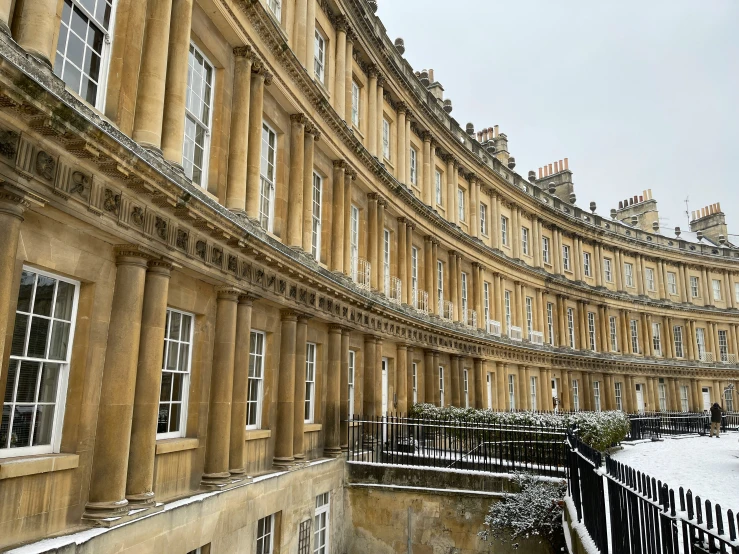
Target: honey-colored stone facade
{"x": 310, "y": 224}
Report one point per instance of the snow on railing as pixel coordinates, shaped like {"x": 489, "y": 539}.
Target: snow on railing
{"x": 515, "y": 333}
{"x": 446, "y": 311}
{"x": 494, "y": 327}
{"x": 469, "y": 318}
{"x": 536, "y": 337}
{"x": 707, "y": 357}
{"x": 361, "y": 273}
{"x": 393, "y": 290}
{"x": 421, "y": 300}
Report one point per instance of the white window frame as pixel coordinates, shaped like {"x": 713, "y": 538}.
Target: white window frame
{"x": 657, "y": 337}
{"x": 613, "y": 331}
{"x": 386, "y": 139}
{"x": 486, "y": 300}
{"x": 63, "y": 371}
{"x": 442, "y": 388}
{"x": 316, "y": 216}
{"x": 716, "y": 284}
{"x": 618, "y": 396}
{"x": 662, "y": 396}
{"x": 268, "y": 196}
{"x": 460, "y": 202}
{"x": 723, "y": 345}
{"x": 319, "y": 56}
{"x": 414, "y": 269}
{"x": 275, "y": 6}
{"x": 529, "y": 316}
{"x": 695, "y": 286}
{"x": 354, "y": 238}
{"x": 511, "y": 392}
{"x": 728, "y": 400}
{"x": 265, "y": 542}
{"x": 463, "y": 276}
{"x": 736, "y": 292}
{"x": 257, "y": 357}
{"x": 533, "y": 386}
{"x": 591, "y": 331}
{"x": 649, "y": 277}
{"x": 504, "y": 230}
{"x": 207, "y": 126}
{"x": 608, "y": 270}
{"x": 550, "y": 322}
{"x": 672, "y": 283}
{"x": 466, "y": 387}
{"x": 351, "y": 376}
{"x": 525, "y": 240}
{"x": 310, "y": 382}
{"x": 386, "y": 261}
{"x": 587, "y": 268}
{"x": 105, "y": 52}
{"x": 596, "y": 396}
{"x": 414, "y": 166}
{"x": 677, "y": 333}
{"x": 700, "y": 340}
{"x": 414, "y": 376}
{"x": 629, "y": 274}
{"x": 322, "y": 524}
{"x": 571, "y": 326}
{"x": 356, "y": 99}
{"x": 566, "y": 257}
{"x": 182, "y": 427}
{"x": 575, "y": 395}
{"x": 634, "y": 326}
{"x": 545, "y": 252}
{"x": 507, "y": 304}
{"x": 439, "y": 199}
{"x": 484, "y": 220}
{"x": 440, "y": 285}
{"x": 684, "y": 405}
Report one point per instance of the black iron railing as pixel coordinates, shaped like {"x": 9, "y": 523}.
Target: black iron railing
{"x": 457, "y": 444}
{"x": 656, "y": 424}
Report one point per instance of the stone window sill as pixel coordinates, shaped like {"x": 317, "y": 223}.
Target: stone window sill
{"x": 312, "y": 427}
{"x": 167, "y": 446}
{"x": 255, "y": 434}
{"x": 32, "y": 465}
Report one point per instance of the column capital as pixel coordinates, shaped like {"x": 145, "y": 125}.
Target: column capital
{"x": 369, "y": 338}
{"x": 298, "y": 119}
{"x": 244, "y": 52}
{"x": 401, "y": 107}
{"x": 303, "y": 317}
{"x": 15, "y": 200}
{"x": 341, "y": 23}
{"x": 132, "y": 254}
{"x": 335, "y": 328}
{"x": 340, "y": 165}
{"x": 427, "y": 137}
{"x": 410, "y": 224}
{"x": 162, "y": 267}
{"x": 312, "y": 131}
{"x": 248, "y": 298}
{"x": 403, "y": 220}
{"x": 402, "y": 346}
{"x": 381, "y": 201}
{"x": 289, "y": 315}
{"x": 373, "y": 196}
{"x": 228, "y": 293}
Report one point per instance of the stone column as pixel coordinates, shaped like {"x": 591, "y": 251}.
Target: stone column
{"x": 455, "y": 372}
{"x": 409, "y": 380}
{"x": 340, "y": 67}
{"x": 684, "y": 284}
{"x": 400, "y": 173}
{"x": 259, "y": 78}
{"x": 370, "y": 367}
{"x": 502, "y": 385}
{"x": 706, "y": 288}
{"x": 675, "y": 403}
{"x": 332, "y": 447}
{"x": 296, "y": 190}
{"x": 380, "y": 112}
{"x": 300, "y": 25}
{"x": 13, "y": 205}
{"x": 378, "y": 261}
{"x": 733, "y": 338}
{"x": 428, "y": 185}
{"x": 556, "y": 251}
{"x": 429, "y": 268}
{"x": 349, "y": 75}
{"x": 696, "y": 397}
{"x": 476, "y": 286}
{"x": 140, "y": 478}
{"x": 311, "y": 136}
{"x": 451, "y": 191}
{"x": 407, "y": 150}
{"x": 337, "y": 238}
{"x": 547, "y": 403}
{"x": 372, "y": 116}
{"x": 403, "y": 255}
{"x": 35, "y": 25}
{"x": 480, "y": 383}
{"x": 585, "y": 391}
{"x": 729, "y": 294}
{"x": 286, "y": 390}
{"x": 107, "y": 496}
{"x": 310, "y": 38}
{"x": 237, "y": 447}
{"x": 428, "y": 379}
{"x": 221, "y": 390}
{"x": 147, "y": 125}
{"x": 525, "y": 374}
{"x": 598, "y": 265}
{"x": 453, "y": 278}
{"x": 238, "y": 144}
{"x": 378, "y": 378}
{"x": 566, "y": 392}
{"x": 474, "y": 209}
{"x": 437, "y": 391}
{"x": 495, "y": 220}
{"x": 349, "y": 176}
{"x": 301, "y": 341}
{"x": 173, "y": 126}
{"x": 516, "y": 307}
{"x": 618, "y": 270}
{"x": 401, "y": 373}
{"x": 515, "y": 233}
{"x": 435, "y": 273}
{"x": 344, "y": 414}
{"x": 458, "y": 300}
{"x": 497, "y": 298}
{"x": 408, "y": 261}
{"x": 5, "y": 8}
{"x": 372, "y": 235}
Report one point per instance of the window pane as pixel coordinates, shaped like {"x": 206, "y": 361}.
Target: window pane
{"x": 177, "y": 387}
{"x": 184, "y": 357}
{"x": 174, "y": 418}
{"x": 19, "y": 335}
{"x": 26, "y": 291}
{"x": 27, "y": 380}
{"x": 44, "y": 295}
{"x": 166, "y": 390}
{"x": 59, "y": 340}
{"x": 21, "y": 434}
{"x": 10, "y": 383}
{"x": 49, "y": 383}
{"x": 172, "y": 356}
{"x": 44, "y": 424}
{"x": 4, "y": 426}
{"x": 37, "y": 338}
{"x": 64, "y": 299}
{"x": 162, "y": 422}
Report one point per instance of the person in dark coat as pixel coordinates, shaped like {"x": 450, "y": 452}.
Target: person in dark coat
{"x": 716, "y": 419}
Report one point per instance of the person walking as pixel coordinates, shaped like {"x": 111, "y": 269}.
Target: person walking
{"x": 716, "y": 419}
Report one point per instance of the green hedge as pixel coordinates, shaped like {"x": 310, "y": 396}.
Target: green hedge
{"x": 601, "y": 430}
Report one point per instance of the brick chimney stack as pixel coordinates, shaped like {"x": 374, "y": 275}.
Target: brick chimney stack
{"x": 644, "y": 207}
{"x": 711, "y": 221}
{"x": 558, "y": 174}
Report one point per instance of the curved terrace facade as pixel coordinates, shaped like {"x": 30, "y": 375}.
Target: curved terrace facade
{"x": 229, "y": 224}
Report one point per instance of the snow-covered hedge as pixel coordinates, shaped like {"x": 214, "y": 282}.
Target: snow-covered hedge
{"x": 600, "y": 430}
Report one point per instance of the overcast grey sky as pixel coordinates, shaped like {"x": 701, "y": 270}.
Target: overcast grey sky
{"x": 637, "y": 94}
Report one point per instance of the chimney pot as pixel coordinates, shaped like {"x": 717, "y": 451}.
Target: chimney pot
{"x": 620, "y": 205}
{"x": 641, "y": 198}
{"x": 550, "y": 169}
{"x": 556, "y": 167}
{"x": 540, "y": 175}
{"x": 431, "y": 75}
{"x": 567, "y": 164}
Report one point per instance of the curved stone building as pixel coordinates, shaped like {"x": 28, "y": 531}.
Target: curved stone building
{"x": 228, "y": 224}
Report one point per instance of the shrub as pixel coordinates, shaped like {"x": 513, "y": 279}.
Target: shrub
{"x": 600, "y": 430}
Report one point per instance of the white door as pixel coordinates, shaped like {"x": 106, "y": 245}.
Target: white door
{"x": 706, "y": 399}
{"x": 639, "y": 398}
{"x": 490, "y": 393}
{"x": 554, "y": 392}
{"x": 384, "y": 386}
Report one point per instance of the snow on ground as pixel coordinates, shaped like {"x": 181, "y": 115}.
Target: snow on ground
{"x": 707, "y": 466}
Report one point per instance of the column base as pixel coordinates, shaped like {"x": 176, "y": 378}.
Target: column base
{"x": 215, "y": 480}
{"x": 143, "y": 500}
{"x": 98, "y": 511}
{"x": 332, "y": 452}
{"x": 283, "y": 463}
